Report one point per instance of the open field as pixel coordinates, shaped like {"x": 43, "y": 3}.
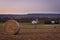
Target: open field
{"x": 34, "y": 32}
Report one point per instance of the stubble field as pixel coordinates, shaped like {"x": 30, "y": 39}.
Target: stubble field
{"x": 34, "y": 32}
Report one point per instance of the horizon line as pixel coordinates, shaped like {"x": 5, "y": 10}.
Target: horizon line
{"x": 34, "y": 13}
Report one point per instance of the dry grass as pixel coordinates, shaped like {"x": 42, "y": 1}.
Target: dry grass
{"x": 35, "y": 32}
{"x": 40, "y": 36}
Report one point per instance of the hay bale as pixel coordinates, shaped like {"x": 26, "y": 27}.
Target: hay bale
{"x": 11, "y": 27}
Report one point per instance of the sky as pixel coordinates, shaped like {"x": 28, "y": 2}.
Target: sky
{"x": 29, "y": 6}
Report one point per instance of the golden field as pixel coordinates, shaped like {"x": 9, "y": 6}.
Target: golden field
{"x": 34, "y": 32}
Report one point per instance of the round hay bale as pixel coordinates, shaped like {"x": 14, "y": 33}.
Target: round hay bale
{"x": 11, "y": 27}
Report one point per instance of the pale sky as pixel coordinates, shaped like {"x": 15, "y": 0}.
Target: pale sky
{"x": 29, "y": 6}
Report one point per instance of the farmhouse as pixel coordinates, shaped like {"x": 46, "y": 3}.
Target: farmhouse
{"x": 41, "y": 18}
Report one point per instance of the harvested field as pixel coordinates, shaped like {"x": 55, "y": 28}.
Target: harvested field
{"x": 34, "y": 32}
{"x": 40, "y": 36}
